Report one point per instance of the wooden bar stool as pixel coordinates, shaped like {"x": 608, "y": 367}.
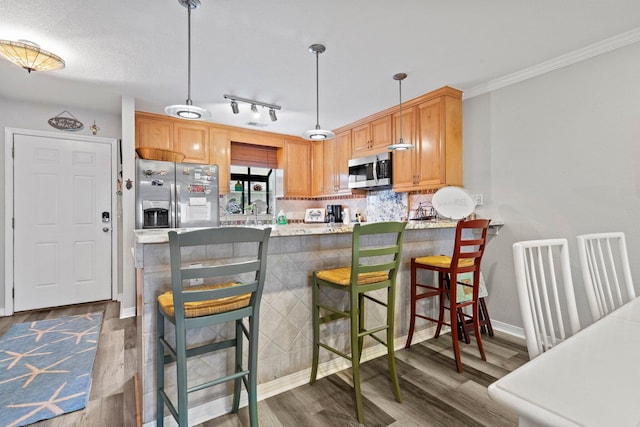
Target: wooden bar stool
{"x": 470, "y": 241}
{"x": 375, "y": 259}
{"x": 231, "y": 292}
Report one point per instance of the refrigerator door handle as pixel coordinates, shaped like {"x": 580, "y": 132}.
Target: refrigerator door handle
{"x": 172, "y": 207}
{"x": 176, "y": 202}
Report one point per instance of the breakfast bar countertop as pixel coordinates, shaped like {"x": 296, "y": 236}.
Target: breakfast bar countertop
{"x": 161, "y": 235}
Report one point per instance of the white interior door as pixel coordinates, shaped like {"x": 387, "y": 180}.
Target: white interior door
{"x": 62, "y": 247}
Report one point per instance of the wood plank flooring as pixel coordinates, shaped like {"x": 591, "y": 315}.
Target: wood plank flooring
{"x": 434, "y": 393}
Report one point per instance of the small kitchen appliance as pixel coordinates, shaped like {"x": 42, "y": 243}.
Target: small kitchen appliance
{"x": 334, "y": 213}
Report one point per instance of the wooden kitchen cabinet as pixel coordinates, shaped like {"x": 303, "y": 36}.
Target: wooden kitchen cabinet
{"x": 192, "y": 140}
{"x": 371, "y": 138}
{"x": 153, "y": 132}
{"x": 317, "y": 168}
{"x": 435, "y": 128}
{"x": 295, "y": 162}
{"x": 220, "y": 154}
{"x": 337, "y": 153}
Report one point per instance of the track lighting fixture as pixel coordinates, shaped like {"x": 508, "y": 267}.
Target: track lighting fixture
{"x": 254, "y": 106}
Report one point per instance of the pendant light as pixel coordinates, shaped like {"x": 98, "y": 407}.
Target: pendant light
{"x": 317, "y": 133}
{"x": 400, "y": 145}
{"x": 187, "y": 110}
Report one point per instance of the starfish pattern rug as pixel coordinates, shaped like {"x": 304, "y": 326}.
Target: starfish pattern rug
{"x": 45, "y": 368}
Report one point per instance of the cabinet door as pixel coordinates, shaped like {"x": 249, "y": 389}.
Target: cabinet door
{"x": 297, "y": 158}
{"x": 317, "y": 168}
{"x": 380, "y": 134}
{"x": 360, "y": 139}
{"x": 342, "y": 157}
{"x": 404, "y": 161}
{"x": 220, "y": 154}
{"x": 329, "y": 164}
{"x": 431, "y": 160}
{"x": 154, "y": 133}
{"x": 192, "y": 140}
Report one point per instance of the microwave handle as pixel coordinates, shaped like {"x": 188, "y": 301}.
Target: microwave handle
{"x": 375, "y": 170}
{"x": 172, "y": 207}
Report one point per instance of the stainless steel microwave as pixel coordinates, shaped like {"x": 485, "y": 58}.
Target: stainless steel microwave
{"x": 370, "y": 172}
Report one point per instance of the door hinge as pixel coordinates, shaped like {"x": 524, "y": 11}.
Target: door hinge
{"x": 13, "y": 293}
{"x": 13, "y": 223}
{"x": 13, "y": 151}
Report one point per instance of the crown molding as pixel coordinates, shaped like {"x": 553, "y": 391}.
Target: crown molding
{"x": 562, "y": 61}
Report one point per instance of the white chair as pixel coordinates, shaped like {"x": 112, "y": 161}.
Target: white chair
{"x": 605, "y": 268}
{"x": 545, "y": 292}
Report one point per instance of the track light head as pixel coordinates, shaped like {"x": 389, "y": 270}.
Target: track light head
{"x": 272, "y": 115}
{"x": 234, "y": 107}
{"x": 254, "y": 110}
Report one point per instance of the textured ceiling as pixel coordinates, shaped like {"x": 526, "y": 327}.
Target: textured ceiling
{"x": 259, "y": 50}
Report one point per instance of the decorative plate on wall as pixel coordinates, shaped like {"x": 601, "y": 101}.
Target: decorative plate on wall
{"x": 453, "y": 202}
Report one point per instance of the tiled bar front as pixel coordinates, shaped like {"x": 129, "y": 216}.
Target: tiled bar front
{"x": 285, "y": 320}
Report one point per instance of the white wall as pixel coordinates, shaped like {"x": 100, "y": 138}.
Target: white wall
{"x": 556, "y": 156}
{"x": 24, "y": 115}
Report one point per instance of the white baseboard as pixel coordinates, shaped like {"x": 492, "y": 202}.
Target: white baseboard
{"x": 127, "y": 312}
{"x": 507, "y": 328}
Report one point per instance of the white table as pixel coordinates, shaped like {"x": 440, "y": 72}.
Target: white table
{"x": 591, "y": 379}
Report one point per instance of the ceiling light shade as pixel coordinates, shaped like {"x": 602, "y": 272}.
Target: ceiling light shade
{"x": 234, "y": 107}
{"x": 187, "y": 110}
{"x": 272, "y": 115}
{"x": 400, "y": 145}
{"x": 318, "y": 133}
{"x": 29, "y": 56}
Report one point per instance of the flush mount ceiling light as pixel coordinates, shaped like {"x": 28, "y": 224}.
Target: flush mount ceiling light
{"x": 400, "y": 145}
{"x": 187, "y": 110}
{"x": 254, "y": 106}
{"x": 318, "y": 133}
{"x": 29, "y": 56}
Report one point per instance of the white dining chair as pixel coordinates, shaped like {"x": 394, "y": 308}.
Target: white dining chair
{"x": 545, "y": 292}
{"x": 605, "y": 269}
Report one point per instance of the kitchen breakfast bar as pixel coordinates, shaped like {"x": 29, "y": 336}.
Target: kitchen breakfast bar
{"x": 285, "y": 346}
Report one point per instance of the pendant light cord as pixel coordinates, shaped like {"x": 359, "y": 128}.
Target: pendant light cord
{"x": 317, "y": 92}
{"x": 189, "y": 102}
{"x": 400, "y": 90}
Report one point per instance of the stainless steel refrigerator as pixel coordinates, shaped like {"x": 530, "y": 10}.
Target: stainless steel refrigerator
{"x": 176, "y": 195}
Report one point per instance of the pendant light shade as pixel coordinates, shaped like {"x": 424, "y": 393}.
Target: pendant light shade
{"x": 187, "y": 110}
{"x": 400, "y": 145}
{"x": 29, "y": 56}
{"x": 317, "y": 133}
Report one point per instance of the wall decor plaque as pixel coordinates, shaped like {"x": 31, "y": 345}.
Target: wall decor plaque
{"x": 62, "y": 122}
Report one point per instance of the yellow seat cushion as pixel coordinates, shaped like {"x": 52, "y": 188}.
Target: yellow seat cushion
{"x": 342, "y": 276}
{"x": 207, "y": 307}
{"x": 442, "y": 261}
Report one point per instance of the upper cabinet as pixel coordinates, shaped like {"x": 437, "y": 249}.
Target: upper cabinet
{"x": 371, "y": 137}
{"x": 434, "y": 126}
{"x": 192, "y": 140}
{"x": 295, "y": 161}
{"x": 336, "y": 155}
{"x": 154, "y": 132}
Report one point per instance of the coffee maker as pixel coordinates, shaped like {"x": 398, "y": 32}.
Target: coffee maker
{"x": 334, "y": 213}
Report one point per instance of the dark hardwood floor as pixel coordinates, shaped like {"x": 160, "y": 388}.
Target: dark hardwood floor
{"x": 434, "y": 393}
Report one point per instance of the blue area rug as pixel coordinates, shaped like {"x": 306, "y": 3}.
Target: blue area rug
{"x": 45, "y": 368}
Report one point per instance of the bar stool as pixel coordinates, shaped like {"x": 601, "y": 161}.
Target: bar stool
{"x": 187, "y": 307}
{"x": 375, "y": 259}
{"x": 470, "y": 241}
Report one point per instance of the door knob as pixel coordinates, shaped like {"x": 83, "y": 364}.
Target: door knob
{"x": 105, "y": 229}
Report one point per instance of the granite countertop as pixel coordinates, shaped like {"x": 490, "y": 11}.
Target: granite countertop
{"x": 161, "y": 235}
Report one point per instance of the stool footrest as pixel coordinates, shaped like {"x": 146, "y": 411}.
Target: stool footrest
{"x": 217, "y": 381}
{"x": 335, "y": 350}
